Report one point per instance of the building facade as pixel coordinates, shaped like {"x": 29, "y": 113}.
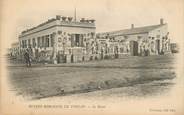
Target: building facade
{"x": 64, "y": 40}
{"x": 58, "y": 38}
{"x": 139, "y": 41}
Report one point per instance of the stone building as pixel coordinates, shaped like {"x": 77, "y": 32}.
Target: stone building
{"x": 142, "y": 41}
{"x": 64, "y": 40}
{"x": 59, "y": 39}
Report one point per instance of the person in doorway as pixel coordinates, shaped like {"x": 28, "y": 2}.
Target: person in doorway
{"x": 27, "y": 58}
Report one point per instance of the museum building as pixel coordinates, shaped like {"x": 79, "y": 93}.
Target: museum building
{"x": 59, "y": 38}
{"x": 65, "y": 40}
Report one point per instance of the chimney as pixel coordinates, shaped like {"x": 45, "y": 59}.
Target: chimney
{"x": 132, "y": 26}
{"x": 161, "y": 21}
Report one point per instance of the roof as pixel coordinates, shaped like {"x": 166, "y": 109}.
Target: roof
{"x": 72, "y": 23}
{"x": 137, "y": 30}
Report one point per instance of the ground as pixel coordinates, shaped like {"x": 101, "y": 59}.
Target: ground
{"x": 138, "y": 76}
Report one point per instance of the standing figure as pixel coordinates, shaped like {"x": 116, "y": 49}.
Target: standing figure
{"x": 27, "y": 58}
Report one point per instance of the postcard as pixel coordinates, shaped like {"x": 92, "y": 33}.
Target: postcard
{"x": 92, "y": 57}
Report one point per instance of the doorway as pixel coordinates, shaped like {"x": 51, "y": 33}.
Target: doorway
{"x": 158, "y": 46}
{"x": 134, "y": 48}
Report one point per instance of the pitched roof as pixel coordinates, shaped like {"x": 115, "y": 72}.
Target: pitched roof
{"x": 136, "y": 30}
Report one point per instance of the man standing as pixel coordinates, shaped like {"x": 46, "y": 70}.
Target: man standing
{"x": 27, "y": 58}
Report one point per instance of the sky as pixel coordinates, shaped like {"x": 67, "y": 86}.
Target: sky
{"x": 18, "y": 15}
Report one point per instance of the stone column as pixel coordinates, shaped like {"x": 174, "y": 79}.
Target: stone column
{"x": 55, "y": 47}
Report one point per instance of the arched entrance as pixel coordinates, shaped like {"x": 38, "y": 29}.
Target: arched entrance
{"x": 134, "y": 48}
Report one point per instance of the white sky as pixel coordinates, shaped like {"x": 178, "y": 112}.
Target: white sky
{"x": 18, "y": 15}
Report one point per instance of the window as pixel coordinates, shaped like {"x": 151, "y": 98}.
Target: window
{"x": 22, "y": 44}
{"x": 29, "y": 43}
{"x": 77, "y": 39}
{"x": 33, "y": 43}
{"x": 38, "y": 42}
{"x": 43, "y": 41}
{"x": 93, "y": 34}
{"x": 47, "y": 41}
{"x": 25, "y": 44}
{"x": 52, "y": 40}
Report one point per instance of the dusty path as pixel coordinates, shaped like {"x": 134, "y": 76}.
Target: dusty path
{"x": 66, "y": 79}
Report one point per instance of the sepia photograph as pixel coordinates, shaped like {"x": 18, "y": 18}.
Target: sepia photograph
{"x": 92, "y": 57}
